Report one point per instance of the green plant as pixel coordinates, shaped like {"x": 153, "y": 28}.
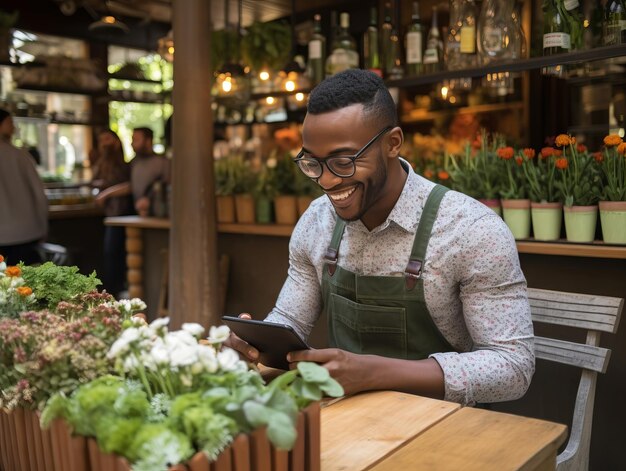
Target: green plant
{"x": 613, "y": 164}
{"x": 267, "y": 186}
{"x": 305, "y": 186}
{"x": 233, "y": 176}
{"x": 463, "y": 172}
{"x": 266, "y": 45}
{"x": 540, "y": 175}
{"x": 224, "y": 47}
{"x": 286, "y": 173}
{"x": 578, "y": 178}
{"x": 514, "y": 186}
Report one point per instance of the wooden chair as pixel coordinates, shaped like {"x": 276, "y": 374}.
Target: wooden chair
{"x": 595, "y": 314}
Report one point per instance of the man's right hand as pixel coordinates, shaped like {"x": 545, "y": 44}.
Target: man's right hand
{"x": 246, "y": 350}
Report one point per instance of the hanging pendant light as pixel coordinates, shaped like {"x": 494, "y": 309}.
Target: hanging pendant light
{"x": 165, "y": 47}
{"x": 292, "y": 77}
{"x": 232, "y": 82}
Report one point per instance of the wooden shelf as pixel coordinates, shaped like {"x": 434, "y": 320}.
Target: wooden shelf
{"x": 134, "y": 100}
{"x": 134, "y": 79}
{"x": 594, "y": 250}
{"x": 65, "y": 90}
{"x": 421, "y": 115}
{"x": 256, "y": 229}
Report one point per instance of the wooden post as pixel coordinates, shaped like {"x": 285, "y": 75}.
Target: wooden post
{"x": 193, "y": 278}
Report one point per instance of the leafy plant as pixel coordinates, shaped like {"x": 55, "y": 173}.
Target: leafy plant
{"x": 266, "y": 185}
{"x": 613, "y": 164}
{"x": 577, "y": 178}
{"x": 233, "y": 176}
{"x": 15, "y": 295}
{"x": 540, "y": 175}
{"x": 52, "y": 284}
{"x": 266, "y": 45}
{"x": 514, "y": 186}
{"x": 286, "y": 174}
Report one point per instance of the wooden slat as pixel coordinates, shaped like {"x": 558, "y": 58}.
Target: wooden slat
{"x": 573, "y": 307}
{"x": 480, "y": 440}
{"x": 571, "y": 353}
{"x": 574, "y": 298}
{"x": 359, "y": 431}
{"x": 580, "y": 320}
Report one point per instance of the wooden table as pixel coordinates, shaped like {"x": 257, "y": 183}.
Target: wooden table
{"x": 390, "y": 431}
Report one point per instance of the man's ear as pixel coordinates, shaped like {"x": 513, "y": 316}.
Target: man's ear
{"x": 395, "y": 141}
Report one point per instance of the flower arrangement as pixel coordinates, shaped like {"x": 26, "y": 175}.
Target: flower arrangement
{"x": 577, "y": 177}
{"x": 513, "y": 187}
{"x": 540, "y": 172}
{"x": 15, "y": 295}
{"x": 177, "y": 394}
{"x": 613, "y": 164}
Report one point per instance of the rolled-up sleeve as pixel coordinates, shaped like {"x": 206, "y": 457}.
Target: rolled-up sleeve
{"x": 493, "y": 293}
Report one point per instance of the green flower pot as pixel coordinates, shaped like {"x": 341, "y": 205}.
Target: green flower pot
{"x": 493, "y": 204}
{"x": 546, "y": 218}
{"x": 580, "y": 223}
{"x": 264, "y": 210}
{"x": 613, "y": 221}
{"x": 516, "y": 215}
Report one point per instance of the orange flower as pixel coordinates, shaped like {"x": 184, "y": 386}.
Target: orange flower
{"x": 478, "y": 142}
{"x": 1, "y": 259}
{"x": 557, "y": 152}
{"x": 547, "y": 152}
{"x": 581, "y": 148}
{"x": 529, "y": 153}
{"x": 563, "y": 140}
{"x": 598, "y": 156}
{"x": 24, "y": 291}
{"x": 561, "y": 163}
{"x": 428, "y": 173}
{"x": 13, "y": 271}
{"x": 505, "y": 153}
{"x": 443, "y": 175}
{"x": 519, "y": 160}
{"x": 612, "y": 140}
{"x": 621, "y": 149}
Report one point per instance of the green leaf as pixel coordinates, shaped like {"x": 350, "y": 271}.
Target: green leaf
{"x": 281, "y": 431}
{"x": 256, "y": 413}
{"x": 308, "y": 391}
{"x": 312, "y": 372}
{"x": 332, "y": 388}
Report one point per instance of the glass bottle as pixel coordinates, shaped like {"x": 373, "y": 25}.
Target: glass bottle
{"x": 386, "y": 33}
{"x": 556, "y": 34}
{"x": 496, "y": 36}
{"x": 615, "y": 22}
{"x": 344, "y": 55}
{"x": 317, "y": 52}
{"x": 413, "y": 44}
{"x": 371, "y": 49}
{"x": 433, "y": 54}
{"x": 461, "y": 44}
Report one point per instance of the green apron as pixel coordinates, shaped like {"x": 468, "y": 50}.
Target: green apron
{"x": 383, "y": 315}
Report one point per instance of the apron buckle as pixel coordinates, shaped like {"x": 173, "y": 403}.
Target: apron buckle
{"x": 331, "y": 257}
{"x": 412, "y": 273}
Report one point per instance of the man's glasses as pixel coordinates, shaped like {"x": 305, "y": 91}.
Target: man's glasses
{"x": 343, "y": 166}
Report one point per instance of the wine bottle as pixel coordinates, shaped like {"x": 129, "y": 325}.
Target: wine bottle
{"x": 317, "y": 52}
{"x": 433, "y": 54}
{"x": 556, "y": 34}
{"x": 344, "y": 55}
{"x": 414, "y": 65}
{"x": 615, "y": 22}
{"x": 371, "y": 48}
{"x": 386, "y": 32}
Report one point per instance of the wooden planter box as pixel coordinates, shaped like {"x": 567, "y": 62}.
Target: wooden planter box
{"x": 26, "y": 447}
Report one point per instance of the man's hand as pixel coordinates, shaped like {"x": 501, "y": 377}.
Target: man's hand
{"x": 246, "y": 350}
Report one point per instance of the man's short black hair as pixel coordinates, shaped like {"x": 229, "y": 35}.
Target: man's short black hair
{"x": 354, "y": 86}
{"x": 147, "y": 132}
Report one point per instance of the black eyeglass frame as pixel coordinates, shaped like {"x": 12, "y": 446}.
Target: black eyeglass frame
{"x": 321, "y": 162}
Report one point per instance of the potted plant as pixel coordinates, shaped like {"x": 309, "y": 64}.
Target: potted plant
{"x": 515, "y": 203}
{"x": 285, "y": 202}
{"x": 578, "y": 180}
{"x": 224, "y": 188}
{"x": 265, "y": 192}
{"x": 244, "y": 184}
{"x": 613, "y": 193}
{"x": 307, "y": 190}
{"x": 489, "y": 168}
{"x": 545, "y": 205}
{"x": 7, "y": 20}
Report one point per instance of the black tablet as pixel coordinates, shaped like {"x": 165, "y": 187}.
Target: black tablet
{"x": 273, "y": 341}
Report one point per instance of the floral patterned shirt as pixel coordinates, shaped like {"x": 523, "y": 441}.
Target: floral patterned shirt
{"x": 473, "y": 284}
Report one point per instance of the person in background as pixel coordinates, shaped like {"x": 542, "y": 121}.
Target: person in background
{"x": 421, "y": 286}
{"x": 23, "y": 203}
{"x": 147, "y": 168}
{"x": 111, "y": 169}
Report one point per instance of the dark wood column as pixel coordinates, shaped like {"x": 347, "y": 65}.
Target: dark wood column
{"x": 193, "y": 259}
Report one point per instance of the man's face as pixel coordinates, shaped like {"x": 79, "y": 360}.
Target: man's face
{"x": 7, "y": 128}
{"x": 140, "y": 143}
{"x": 345, "y": 132}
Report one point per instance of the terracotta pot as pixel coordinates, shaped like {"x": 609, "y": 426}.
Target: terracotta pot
{"x": 493, "y": 204}
{"x": 225, "y": 206}
{"x": 613, "y": 221}
{"x": 6, "y": 457}
{"x": 303, "y": 202}
{"x": 516, "y": 215}
{"x": 286, "y": 210}
{"x": 580, "y": 223}
{"x": 245, "y": 209}
{"x": 546, "y": 219}
{"x": 21, "y": 438}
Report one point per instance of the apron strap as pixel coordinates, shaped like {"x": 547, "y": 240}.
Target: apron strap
{"x": 332, "y": 252}
{"x": 413, "y": 270}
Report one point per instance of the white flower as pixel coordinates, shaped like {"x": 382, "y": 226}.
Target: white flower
{"x": 160, "y": 355}
{"x": 3, "y": 266}
{"x": 184, "y": 356}
{"x": 130, "y": 363}
{"x": 137, "y": 304}
{"x": 194, "y": 329}
{"x": 122, "y": 344}
{"x": 159, "y": 326}
{"x": 208, "y": 358}
{"x": 180, "y": 337}
{"x": 228, "y": 360}
{"x": 219, "y": 334}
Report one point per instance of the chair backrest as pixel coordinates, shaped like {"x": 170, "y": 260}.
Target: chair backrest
{"x": 595, "y": 314}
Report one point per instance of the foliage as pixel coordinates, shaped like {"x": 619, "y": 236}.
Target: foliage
{"x": 540, "y": 172}
{"x": 267, "y": 186}
{"x": 514, "y": 186}
{"x": 613, "y": 164}
{"x": 52, "y": 284}
{"x": 286, "y": 173}
{"x": 305, "y": 186}
{"x": 44, "y": 353}
{"x": 266, "y": 45}
{"x": 224, "y": 47}
{"x": 15, "y": 295}
{"x": 176, "y": 395}
{"x": 233, "y": 176}
{"x": 578, "y": 178}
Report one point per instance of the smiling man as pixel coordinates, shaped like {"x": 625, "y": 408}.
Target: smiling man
{"x": 421, "y": 286}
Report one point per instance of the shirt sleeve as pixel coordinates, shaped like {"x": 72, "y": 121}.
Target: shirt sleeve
{"x": 496, "y": 311}
{"x": 300, "y": 300}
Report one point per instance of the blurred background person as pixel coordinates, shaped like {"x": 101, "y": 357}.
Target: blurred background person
{"x": 109, "y": 172}
{"x": 23, "y": 202}
{"x": 147, "y": 168}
